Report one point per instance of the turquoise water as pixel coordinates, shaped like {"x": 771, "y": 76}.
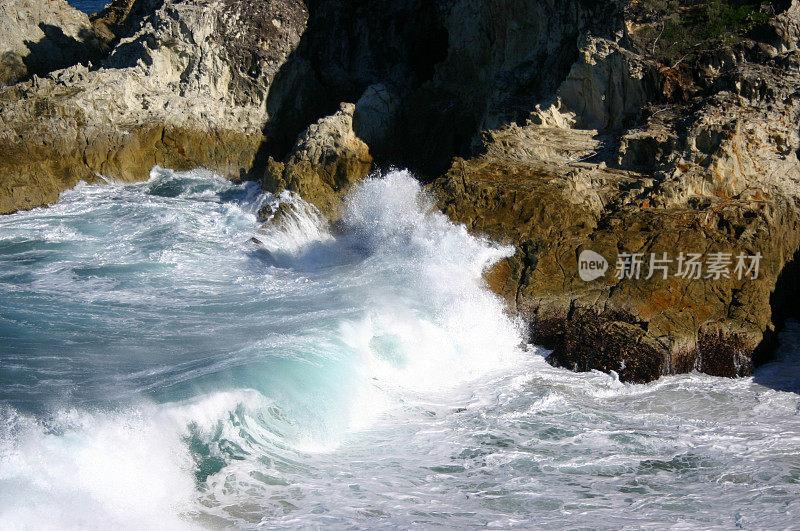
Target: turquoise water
{"x": 168, "y": 362}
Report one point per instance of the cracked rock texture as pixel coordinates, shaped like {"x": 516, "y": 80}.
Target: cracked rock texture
{"x": 188, "y": 87}
{"x": 39, "y": 36}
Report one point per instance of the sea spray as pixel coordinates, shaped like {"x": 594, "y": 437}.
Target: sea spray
{"x": 161, "y": 369}
{"x": 91, "y": 469}
{"x": 417, "y": 319}
{"x": 432, "y": 325}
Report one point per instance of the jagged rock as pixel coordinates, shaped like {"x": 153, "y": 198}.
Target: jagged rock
{"x": 720, "y": 176}
{"x": 326, "y": 161}
{"x": 787, "y": 28}
{"x": 637, "y": 327}
{"x": 188, "y": 88}
{"x": 457, "y": 67}
{"x": 501, "y": 61}
{"x": 349, "y": 47}
{"x": 120, "y": 19}
{"x": 39, "y": 36}
{"x": 607, "y": 87}
{"x": 644, "y": 149}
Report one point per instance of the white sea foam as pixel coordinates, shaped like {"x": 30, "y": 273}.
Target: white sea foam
{"x": 300, "y": 227}
{"x": 94, "y": 470}
{"x": 177, "y": 375}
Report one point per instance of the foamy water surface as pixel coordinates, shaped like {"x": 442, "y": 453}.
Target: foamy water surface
{"x": 167, "y": 362}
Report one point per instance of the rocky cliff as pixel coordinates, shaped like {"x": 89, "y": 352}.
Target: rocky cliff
{"x": 620, "y": 164}
{"x": 187, "y": 87}
{"x": 657, "y": 142}
{"x": 41, "y": 36}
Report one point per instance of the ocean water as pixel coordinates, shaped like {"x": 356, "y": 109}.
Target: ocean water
{"x": 168, "y": 363}
{"x": 89, "y": 6}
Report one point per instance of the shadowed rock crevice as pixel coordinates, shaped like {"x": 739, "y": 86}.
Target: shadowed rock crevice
{"x": 57, "y": 50}
{"x": 432, "y": 74}
{"x": 503, "y": 59}
{"x": 784, "y": 304}
{"x": 347, "y": 48}
{"x": 120, "y": 19}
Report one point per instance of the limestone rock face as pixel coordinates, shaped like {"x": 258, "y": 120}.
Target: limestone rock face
{"x": 39, "y": 36}
{"x": 607, "y": 86}
{"x": 716, "y": 178}
{"x": 187, "y": 88}
{"x": 326, "y": 161}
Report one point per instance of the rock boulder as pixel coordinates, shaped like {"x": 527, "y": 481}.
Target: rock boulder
{"x": 326, "y": 161}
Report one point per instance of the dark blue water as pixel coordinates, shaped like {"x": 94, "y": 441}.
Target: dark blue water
{"x": 89, "y": 6}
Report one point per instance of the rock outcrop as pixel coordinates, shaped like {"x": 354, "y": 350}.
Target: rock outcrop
{"x": 502, "y": 59}
{"x": 188, "y": 88}
{"x": 119, "y": 19}
{"x": 40, "y": 36}
{"x": 650, "y": 185}
{"x": 326, "y": 161}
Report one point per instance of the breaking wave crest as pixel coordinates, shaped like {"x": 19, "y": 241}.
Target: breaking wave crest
{"x": 168, "y": 362}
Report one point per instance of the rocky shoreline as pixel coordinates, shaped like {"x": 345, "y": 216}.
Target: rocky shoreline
{"x": 561, "y": 129}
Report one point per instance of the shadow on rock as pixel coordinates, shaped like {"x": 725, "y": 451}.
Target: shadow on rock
{"x": 57, "y": 50}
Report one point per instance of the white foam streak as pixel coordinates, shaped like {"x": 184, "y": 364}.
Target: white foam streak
{"x": 299, "y": 226}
